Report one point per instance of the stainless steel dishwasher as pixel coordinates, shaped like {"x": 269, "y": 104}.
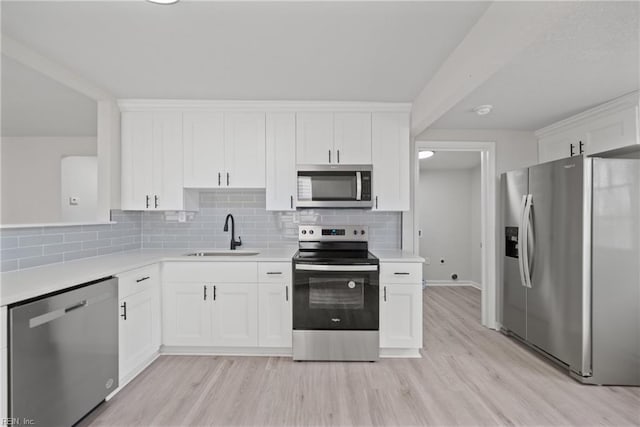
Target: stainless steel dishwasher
{"x": 63, "y": 353}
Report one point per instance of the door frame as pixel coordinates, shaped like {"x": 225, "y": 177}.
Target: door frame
{"x": 488, "y": 208}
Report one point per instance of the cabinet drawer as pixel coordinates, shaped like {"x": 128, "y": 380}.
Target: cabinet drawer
{"x": 210, "y": 272}
{"x": 138, "y": 280}
{"x": 274, "y": 272}
{"x": 401, "y": 272}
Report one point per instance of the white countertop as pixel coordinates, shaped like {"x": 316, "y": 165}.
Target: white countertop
{"x": 21, "y": 285}
{"x": 396, "y": 256}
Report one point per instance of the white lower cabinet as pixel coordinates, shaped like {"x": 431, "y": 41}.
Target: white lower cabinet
{"x": 400, "y": 315}
{"x": 139, "y": 325}
{"x": 186, "y": 314}
{"x": 234, "y": 315}
{"x": 274, "y": 315}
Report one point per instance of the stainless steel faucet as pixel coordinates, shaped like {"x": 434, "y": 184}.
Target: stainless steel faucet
{"x": 233, "y": 244}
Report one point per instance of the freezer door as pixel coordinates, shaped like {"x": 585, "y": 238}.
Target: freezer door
{"x": 616, "y": 271}
{"x": 555, "y": 299}
{"x": 514, "y": 186}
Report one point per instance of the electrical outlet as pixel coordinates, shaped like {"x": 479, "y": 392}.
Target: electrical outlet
{"x": 73, "y": 201}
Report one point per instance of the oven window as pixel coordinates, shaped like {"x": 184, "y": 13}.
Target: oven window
{"x": 336, "y": 293}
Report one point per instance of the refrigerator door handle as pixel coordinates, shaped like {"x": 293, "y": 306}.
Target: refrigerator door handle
{"x": 526, "y": 221}
{"x": 521, "y": 240}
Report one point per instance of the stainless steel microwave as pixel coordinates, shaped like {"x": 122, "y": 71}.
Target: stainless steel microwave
{"x": 334, "y": 186}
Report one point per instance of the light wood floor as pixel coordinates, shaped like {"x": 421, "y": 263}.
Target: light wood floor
{"x": 468, "y": 376}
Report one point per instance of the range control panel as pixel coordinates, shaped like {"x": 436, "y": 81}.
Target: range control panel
{"x": 319, "y": 233}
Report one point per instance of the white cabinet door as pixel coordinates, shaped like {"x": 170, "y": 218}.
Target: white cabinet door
{"x": 186, "y": 314}
{"x": 401, "y": 316}
{"x": 139, "y": 330}
{"x": 352, "y": 141}
{"x": 234, "y": 320}
{"x": 390, "y": 155}
{"x": 203, "y": 134}
{"x": 167, "y": 161}
{"x": 137, "y": 160}
{"x": 281, "y": 177}
{"x": 314, "y": 138}
{"x": 274, "y": 315}
{"x": 558, "y": 146}
{"x": 244, "y": 135}
{"x": 613, "y": 131}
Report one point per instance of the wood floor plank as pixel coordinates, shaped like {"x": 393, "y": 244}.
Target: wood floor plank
{"x": 468, "y": 376}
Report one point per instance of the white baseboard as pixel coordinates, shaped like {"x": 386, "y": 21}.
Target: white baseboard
{"x": 405, "y": 353}
{"x": 453, "y": 283}
{"x": 226, "y": 351}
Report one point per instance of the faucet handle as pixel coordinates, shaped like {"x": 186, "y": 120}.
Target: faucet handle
{"x": 239, "y": 242}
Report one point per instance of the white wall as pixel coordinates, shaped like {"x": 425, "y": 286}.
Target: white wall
{"x": 79, "y": 181}
{"x": 31, "y": 176}
{"x": 445, "y": 215}
{"x": 476, "y": 224}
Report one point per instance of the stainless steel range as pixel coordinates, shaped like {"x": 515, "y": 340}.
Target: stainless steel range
{"x": 335, "y": 295}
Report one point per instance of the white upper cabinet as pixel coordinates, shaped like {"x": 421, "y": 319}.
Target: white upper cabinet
{"x": 281, "y": 181}
{"x": 203, "y": 134}
{"x": 152, "y": 161}
{"x": 352, "y": 138}
{"x": 224, "y": 150}
{"x": 244, "y": 153}
{"x": 314, "y": 138}
{"x": 333, "y": 138}
{"x": 390, "y": 155}
{"x": 610, "y": 126}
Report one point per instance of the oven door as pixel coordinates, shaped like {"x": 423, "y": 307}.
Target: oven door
{"x": 335, "y": 297}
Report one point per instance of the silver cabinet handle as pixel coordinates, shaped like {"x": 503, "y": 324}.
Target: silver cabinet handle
{"x": 321, "y": 267}
{"x": 218, "y": 179}
{"x": 385, "y": 293}
{"x": 376, "y": 202}
{"x": 286, "y": 293}
{"x": 329, "y": 156}
{"x": 147, "y": 201}
{"x": 274, "y": 272}
{"x": 227, "y": 179}
{"x": 124, "y": 310}
{"x": 157, "y": 201}
{"x": 142, "y": 279}
{"x": 205, "y": 292}
{"x": 338, "y": 156}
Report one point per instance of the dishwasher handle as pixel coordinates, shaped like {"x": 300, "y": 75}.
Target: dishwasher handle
{"x": 81, "y": 304}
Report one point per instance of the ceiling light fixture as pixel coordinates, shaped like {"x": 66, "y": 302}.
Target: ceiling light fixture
{"x": 483, "y": 110}
{"x": 425, "y": 154}
{"x": 163, "y": 2}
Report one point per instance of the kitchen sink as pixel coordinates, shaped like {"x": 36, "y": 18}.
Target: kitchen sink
{"x": 224, "y": 253}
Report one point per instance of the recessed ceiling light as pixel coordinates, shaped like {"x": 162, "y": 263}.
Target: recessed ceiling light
{"x": 165, "y": 2}
{"x": 425, "y": 154}
{"x": 483, "y": 110}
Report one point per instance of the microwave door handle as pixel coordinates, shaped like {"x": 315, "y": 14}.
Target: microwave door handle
{"x": 358, "y": 185}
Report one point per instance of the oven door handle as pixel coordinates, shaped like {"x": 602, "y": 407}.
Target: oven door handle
{"x": 325, "y": 267}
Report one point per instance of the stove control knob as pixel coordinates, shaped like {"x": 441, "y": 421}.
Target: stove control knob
{"x": 355, "y": 231}
{"x": 361, "y": 231}
{"x": 310, "y": 231}
{"x": 304, "y": 231}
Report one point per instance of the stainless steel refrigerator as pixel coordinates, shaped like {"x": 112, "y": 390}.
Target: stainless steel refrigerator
{"x": 571, "y": 264}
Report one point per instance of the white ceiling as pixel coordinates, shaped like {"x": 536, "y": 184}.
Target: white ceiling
{"x": 356, "y": 51}
{"x": 592, "y": 57}
{"x": 35, "y": 105}
{"x": 451, "y": 160}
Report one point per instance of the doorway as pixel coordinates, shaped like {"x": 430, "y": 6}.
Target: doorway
{"x": 484, "y": 209}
